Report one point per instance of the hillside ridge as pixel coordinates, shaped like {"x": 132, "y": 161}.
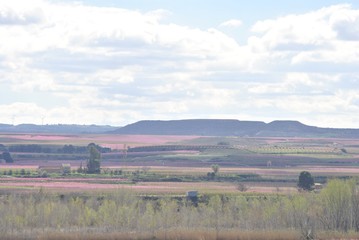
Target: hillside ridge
{"x": 233, "y": 127}
{"x": 55, "y": 128}
{"x": 198, "y": 127}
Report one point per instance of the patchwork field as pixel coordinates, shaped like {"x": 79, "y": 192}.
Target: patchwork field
{"x": 242, "y": 184}
{"x": 176, "y": 164}
{"x": 110, "y": 140}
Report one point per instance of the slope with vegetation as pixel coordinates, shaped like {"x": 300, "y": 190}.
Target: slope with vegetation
{"x": 332, "y": 212}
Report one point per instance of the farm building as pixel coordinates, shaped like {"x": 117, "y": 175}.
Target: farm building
{"x": 318, "y": 187}
{"x": 63, "y": 168}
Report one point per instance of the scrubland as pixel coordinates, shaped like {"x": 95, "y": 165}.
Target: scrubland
{"x": 122, "y": 214}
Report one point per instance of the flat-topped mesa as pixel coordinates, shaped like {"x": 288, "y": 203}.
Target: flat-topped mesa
{"x": 200, "y": 127}
{"x": 232, "y": 127}
{"x": 193, "y": 127}
{"x": 287, "y": 128}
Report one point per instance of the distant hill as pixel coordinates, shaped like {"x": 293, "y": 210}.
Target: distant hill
{"x": 198, "y": 127}
{"x": 287, "y": 129}
{"x": 204, "y": 127}
{"x": 59, "y": 128}
{"x": 220, "y": 127}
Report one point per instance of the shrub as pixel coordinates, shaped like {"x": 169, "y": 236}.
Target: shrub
{"x": 43, "y": 174}
{"x": 242, "y": 187}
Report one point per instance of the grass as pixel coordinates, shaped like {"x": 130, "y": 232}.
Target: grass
{"x": 16, "y": 187}
{"x": 80, "y": 216}
{"x": 142, "y": 188}
{"x": 178, "y": 234}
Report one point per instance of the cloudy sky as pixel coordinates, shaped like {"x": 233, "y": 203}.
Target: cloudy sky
{"x": 117, "y": 62}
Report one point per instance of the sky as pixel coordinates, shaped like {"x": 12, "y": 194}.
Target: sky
{"x": 115, "y": 62}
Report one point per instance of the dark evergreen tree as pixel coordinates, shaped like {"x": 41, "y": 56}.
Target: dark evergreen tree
{"x": 3, "y": 148}
{"x": 93, "y": 164}
{"x": 305, "y": 181}
{"x": 7, "y": 157}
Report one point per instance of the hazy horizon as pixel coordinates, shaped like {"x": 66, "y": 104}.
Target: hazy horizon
{"x": 116, "y": 62}
{"x": 119, "y": 126}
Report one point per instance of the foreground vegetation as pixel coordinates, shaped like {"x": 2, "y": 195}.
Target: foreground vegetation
{"x": 123, "y": 215}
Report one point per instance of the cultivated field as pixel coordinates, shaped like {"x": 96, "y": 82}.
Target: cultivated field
{"x": 111, "y": 140}
{"x": 247, "y": 187}
{"x": 177, "y": 164}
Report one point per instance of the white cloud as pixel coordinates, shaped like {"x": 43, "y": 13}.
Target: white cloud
{"x": 124, "y": 75}
{"x": 21, "y": 112}
{"x": 231, "y": 23}
{"x": 20, "y": 12}
{"x": 114, "y": 66}
{"x": 345, "y": 22}
{"x": 311, "y": 37}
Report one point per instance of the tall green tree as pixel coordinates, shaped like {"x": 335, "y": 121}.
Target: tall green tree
{"x": 94, "y": 161}
{"x": 305, "y": 181}
{"x": 336, "y": 202}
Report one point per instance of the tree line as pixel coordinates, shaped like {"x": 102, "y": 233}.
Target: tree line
{"x": 67, "y": 148}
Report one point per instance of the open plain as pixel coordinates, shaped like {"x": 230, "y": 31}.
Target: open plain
{"x": 177, "y": 164}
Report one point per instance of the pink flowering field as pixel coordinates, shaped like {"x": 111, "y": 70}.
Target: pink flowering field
{"x": 110, "y": 140}
{"x": 176, "y": 188}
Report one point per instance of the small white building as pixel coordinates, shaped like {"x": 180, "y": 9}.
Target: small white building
{"x": 318, "y": 187}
